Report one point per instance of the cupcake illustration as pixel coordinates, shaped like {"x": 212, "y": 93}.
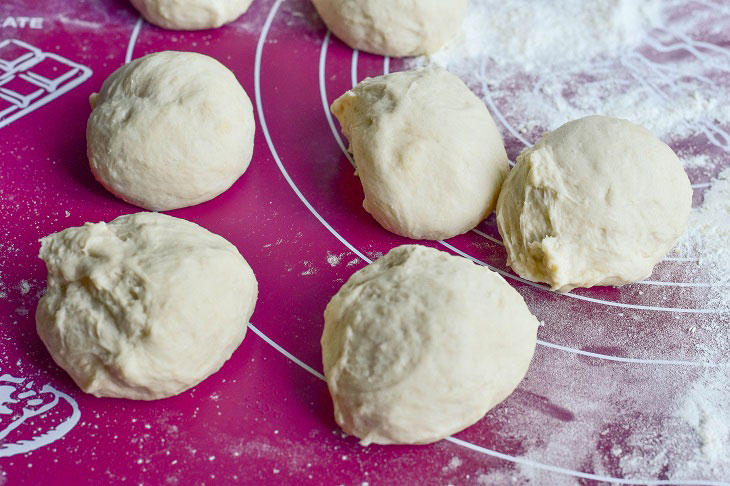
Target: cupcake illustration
{"x": 33, "y": 416}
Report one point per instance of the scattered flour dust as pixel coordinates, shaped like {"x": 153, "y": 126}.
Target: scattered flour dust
{"x": 664, "y": 64}
{"x": 309, "y": 268}
{"x": 453, "y": 465}
{"x": 698, "y": 160}
{"x": 334, "y": 259}
{"x": 24, "y": 287}
{"x": 708, "y": 235}
{"x": 705, "y": 409}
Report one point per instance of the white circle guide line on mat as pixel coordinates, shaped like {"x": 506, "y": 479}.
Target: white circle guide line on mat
{"x": 576, "y": 296}
{"x": 681, "y": 259}
{"x": 668, "y": 362}
{"x": 325, "y": 104}
{"x": 629, "y": 63}
{"x": 306, "y": 202}
{"x": 691, "y": 46}
{"x": 501, "y": 243}
{"x": 500, "y": 116}
{"x": 286, "y": 353}
{"x": 133, "y": 39}
{"x": 259, "y": 107}
{"x": 323, "y": 94}
{"x": 353, "y": 67}
{"x": 719, "y": 8}
{"x": 486, "y": 236}
{"x": 335, "y": 133}
{"x": 646, "y": 282}
{"x": 267, "y": 135}
{"x": 498, "y": 113}
{"x": 675, "y": 284}
{"x": 715, "y": 134}
{"x": 507, "y": 457}
{"x": 582, "y": 475}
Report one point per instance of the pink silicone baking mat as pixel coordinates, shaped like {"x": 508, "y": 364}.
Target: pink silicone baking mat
{"x": 296, "y": 216}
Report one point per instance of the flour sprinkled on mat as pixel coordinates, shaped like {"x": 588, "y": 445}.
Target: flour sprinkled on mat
{"x": 708, "y": 234}
{"x": 663, "y": 65}
{"x": 703, "y": 408}
{"x": 538, "y": 65}
{"x": 24, "y": 287}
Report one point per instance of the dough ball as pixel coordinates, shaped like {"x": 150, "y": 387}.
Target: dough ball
{"x": 144, "y": 307}
{"x": 599, "y": 201}
{"x": 191, "y": 14}
{"x": 393, "y": 27}
{"x": 428, "y": 154}
{"x": 421, "y": 344}
{"x": 169, "y": 130}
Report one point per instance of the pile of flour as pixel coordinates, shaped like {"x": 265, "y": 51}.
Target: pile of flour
{"x": 534, "y": 35}
{"x": 543, "y": 63}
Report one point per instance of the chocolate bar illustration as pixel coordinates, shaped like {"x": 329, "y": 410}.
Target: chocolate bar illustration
{"x": 31, "y": 78}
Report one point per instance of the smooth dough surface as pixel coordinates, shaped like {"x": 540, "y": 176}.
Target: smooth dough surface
{"x": 191, "y": 14}
{"x": 599, "y": 201}
{"x": 143, "y": 307}
{"x": 429, "y": 156}
{"x": 393, "y": 27}
{"x": 421, "y": 344}
{"x": 169, "y": 130}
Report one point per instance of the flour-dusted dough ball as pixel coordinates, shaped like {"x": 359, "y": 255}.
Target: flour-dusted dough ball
{"x": 144, "y": 307}
{"x": 421, "y": 344}
{"x": 393, "y": 27}
{"x": 599, "y": 201}
{"x": 191, "y": 14}
{"x": 169, "y": 130}
{"x": 428, "y": 154}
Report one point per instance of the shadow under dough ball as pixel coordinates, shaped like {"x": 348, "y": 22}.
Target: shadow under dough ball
{"x": 421, "y": 344}
{"x": 599, "y": 201}
{"x": 428, "y": 153}
{"x": 143, "y": 307}
{"x": 170, "y": 130}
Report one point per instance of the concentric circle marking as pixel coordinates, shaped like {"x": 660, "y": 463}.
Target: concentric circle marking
{"x": 483, "y": 450}
{"x": 133, "y": 39}
{"x": 338, "y": 139}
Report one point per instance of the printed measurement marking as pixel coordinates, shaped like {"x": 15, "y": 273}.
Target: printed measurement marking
{"x": 22, "y": 23}
{"x": 31, "y": 78}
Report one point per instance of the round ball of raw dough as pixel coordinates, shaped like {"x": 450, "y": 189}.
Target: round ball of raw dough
{"x": 191, "y": 14}
{"x": 144, "y": 307}
{"x": 599, "y": 201}
{"x": 393, "y": 27}
{"x": 169, "y": 130}
{"x": 421, "y": 344}
{"x": 428, "y": 154}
